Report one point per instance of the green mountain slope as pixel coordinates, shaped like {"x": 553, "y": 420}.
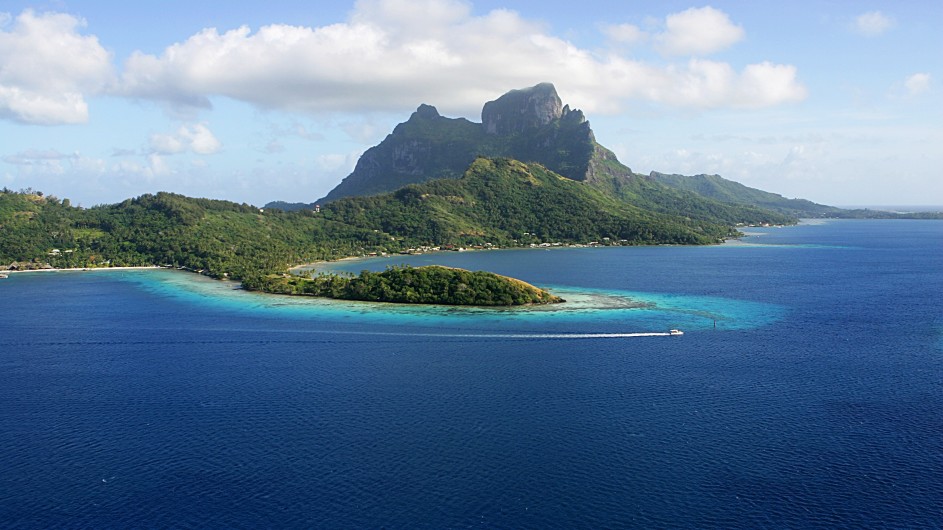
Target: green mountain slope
{"x": 531, "y": 125}
{"x": 503, "y": 201}
{"x": 425, "y": 147}
{"x": 613, "y": 178}
{"x": 219, "y": 238}
{"x": 731, "y": 192}
{"x": 728, "y": 191}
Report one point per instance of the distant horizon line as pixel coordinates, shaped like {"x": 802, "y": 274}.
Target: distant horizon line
{"x": 897, "y": 208}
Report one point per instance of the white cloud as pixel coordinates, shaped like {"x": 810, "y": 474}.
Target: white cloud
{"x": 873, "y": 23}
{"x": 155, "y": 166}
{"x": 917, "y": 83}
{"x": 36, "y": 156}
{"x": 410, "y": 17}
{"x": 48, "y": 69}
{"x": 196, "y": 138}
{"x": 51, "y": 162}
{"x": 704, "y": 84}
{"x": 89, "y": 166}
{"x": 392, "y": 55}
{"x": 625, "y": 33}
{"x": 766, "y": 84}
{"x": 202, "y": 141}
{"x": 167, "y": 144}
{"x": 698, "y": 31}
{"x": 336, "y": 162}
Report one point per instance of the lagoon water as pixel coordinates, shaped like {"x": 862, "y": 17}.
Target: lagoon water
{"x": 807, "y": 391}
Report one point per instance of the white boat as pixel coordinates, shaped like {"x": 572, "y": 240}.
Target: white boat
{"x": 675, "y": 332}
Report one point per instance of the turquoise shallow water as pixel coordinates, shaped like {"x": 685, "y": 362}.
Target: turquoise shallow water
{"x": 625, "y": 311}
{"x": 156, "y": 398}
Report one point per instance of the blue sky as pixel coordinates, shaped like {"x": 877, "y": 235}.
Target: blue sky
{"x": 839, "y": 102}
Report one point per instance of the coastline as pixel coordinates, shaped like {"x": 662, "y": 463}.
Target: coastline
{"x": 315, "y": 265}
{"x": 577, "y": 300}
{"x": 84, "y": 269}
{"x": 327, "y": 265}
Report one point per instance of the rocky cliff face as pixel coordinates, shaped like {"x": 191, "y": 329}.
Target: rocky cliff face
{"x": 522, "y": 110}
{"x": 425, "y": 147}
{"x": 530, "y": 125}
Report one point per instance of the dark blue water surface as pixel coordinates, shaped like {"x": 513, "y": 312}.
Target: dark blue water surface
{"x": 157, "y": 398}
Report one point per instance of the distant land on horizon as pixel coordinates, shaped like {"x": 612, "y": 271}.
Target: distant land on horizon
{"x": 897, "y": 208}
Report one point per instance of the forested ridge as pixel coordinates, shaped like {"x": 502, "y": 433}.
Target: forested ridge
{"x": 218, "y": 238}
{"x": 730, "y": 192}
{"x": 497, "y": 203}
{"x": 506, "y": 202}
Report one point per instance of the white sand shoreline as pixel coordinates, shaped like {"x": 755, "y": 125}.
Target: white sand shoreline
{"x": 326, "y": 264}
{"x": 315, "y": 266}
{"x": 84, "y": 269}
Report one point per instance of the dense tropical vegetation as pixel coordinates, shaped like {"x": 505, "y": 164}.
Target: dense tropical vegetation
{"x": 506, "y": 202}
{"x": 413, "y": 285}
{"x": 497, "y": 203}
{"x": 730, "y": 192}
{"x": 217, "y": 238}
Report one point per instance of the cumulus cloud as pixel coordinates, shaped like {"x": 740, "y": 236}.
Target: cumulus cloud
{"x": 625, "y": 33}
{"x": 36, "y": 156}
{"x": 196, "y": 138}
{"x": 49, "y": 68}
{"x": 337, "y": 162}
{"x": 917, "y": 83}
{"x": 51, "y": 162}
{"x": 154, "y": 166}
{"x": 391, "y": 55}
{"x": 873, "y": 23}
{"x": 121, "y": 151}
{"x": 703, "y": 84}
{"x": 698, "y": 31}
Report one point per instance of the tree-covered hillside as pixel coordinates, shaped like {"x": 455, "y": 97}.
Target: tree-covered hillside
{"x": 412, "y": 285}
{"x": 497, "y": 202}
{"x": 533, "y": 126}
{"x": 731, "y": 192}
{"x": 219, "y": 238}
{"x": 503, "y": 201}
{"x": 613, "y": 178}
{"x": 721, "y": 189}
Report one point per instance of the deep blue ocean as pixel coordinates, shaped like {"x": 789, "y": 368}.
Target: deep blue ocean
{"x": 806, "y": 391}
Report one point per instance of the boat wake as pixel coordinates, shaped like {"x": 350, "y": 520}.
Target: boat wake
{"x": 322, "y": 333}
{"x": 671, "y": 333}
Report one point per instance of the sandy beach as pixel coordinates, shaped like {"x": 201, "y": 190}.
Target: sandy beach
{"x": 83, "y": 269}
{"x": 325, "y": 266}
